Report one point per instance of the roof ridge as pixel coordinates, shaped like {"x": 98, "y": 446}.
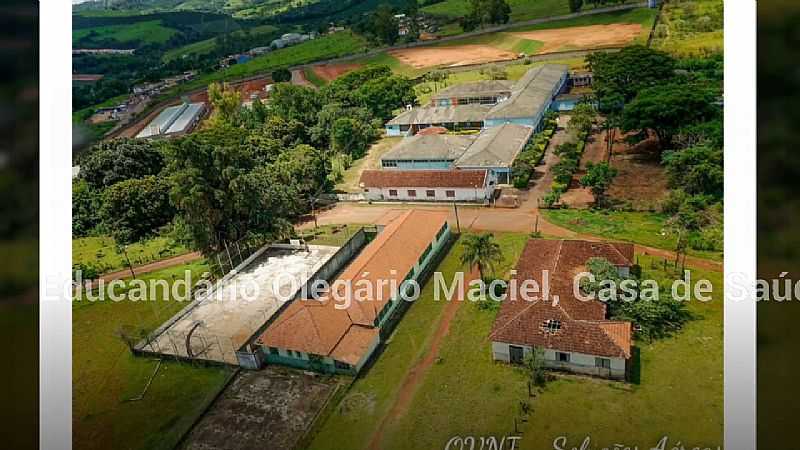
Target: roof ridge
{"x": 611, "y": 244}
{"x": 611, "y": 338}
{"x": 513, "y": 318}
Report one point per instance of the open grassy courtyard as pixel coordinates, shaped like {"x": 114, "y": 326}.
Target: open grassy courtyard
{"x": 106, "y": 377}
{"x": 645, "y": 228}
{"x": 678, "y": 388}
{"x": 101, "y": 252}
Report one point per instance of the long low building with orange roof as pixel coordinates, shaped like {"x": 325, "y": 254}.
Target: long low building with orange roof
{"x": 340, "y": 331}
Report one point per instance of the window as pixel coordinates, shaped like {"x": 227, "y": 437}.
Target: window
{"x": 430, "y": 193}
{"x": 273, "y": 351}
{"x": 450, "y": 194}
{"x": 425, "y": 254}
{"x": 389, "y": 163}
{"x": 551, "y": 325}
{"x": 392, "y": 192}
{"x": 441, "y": 231}
{"x": 605, "y": 363}
{"x": 562, "y": 357}
{"x": 412, "y": 193}
{"x": 341, "y": 365}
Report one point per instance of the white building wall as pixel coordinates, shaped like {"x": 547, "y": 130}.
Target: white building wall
{"x": 578, "y": 362}
{"x": 440, "y": 194}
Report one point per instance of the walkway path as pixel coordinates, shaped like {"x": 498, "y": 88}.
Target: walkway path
{"x": 151, "y": 267}
{"x": 416, "y": 374}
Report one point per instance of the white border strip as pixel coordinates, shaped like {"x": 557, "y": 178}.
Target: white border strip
{"x": 55, "y": 168}
{"x": 740, "y": 223}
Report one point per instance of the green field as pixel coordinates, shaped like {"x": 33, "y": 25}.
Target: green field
{"x": 148, "y": 32}
{"x": 643, "y": 228}
{"x": 466, "y": 393}
{"x": 105, "y": 376}
{"x": 520, "y": 9}
{"x": 100, "y": 251}
{"x": 691, "y": 28}
{"x": 204, "y": 47}
{"x": 325, "y": 47}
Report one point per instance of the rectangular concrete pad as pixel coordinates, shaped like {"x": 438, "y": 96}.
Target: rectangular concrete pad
{"x": 227, "y": 320}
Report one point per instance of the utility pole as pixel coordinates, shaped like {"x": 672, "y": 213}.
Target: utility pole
{"x": 458, "y": 223}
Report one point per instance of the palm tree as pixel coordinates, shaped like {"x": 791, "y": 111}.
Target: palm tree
{"x": 482, "y": 251}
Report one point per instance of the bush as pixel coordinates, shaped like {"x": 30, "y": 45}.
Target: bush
{"x": 550, "y": 199}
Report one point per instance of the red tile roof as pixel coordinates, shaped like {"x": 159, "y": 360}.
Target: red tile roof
{"x": 583, "y": 326}
{"x": 423, "y": 178}
{"x": 345, "y": 334}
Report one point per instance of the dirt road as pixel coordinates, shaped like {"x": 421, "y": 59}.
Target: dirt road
{"x": 416, "y": 374}
{"x": 152, "y": 267}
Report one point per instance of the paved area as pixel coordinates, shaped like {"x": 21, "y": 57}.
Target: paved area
{"x": 264, "y": 409}
{"x": 222, "y": 321}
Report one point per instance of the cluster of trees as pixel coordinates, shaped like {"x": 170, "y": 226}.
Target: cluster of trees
{"x": 486, "y": 12}
{"x": 576, "y": 5}
{"x": 247, "y": 174}
{"x": 656, "y": 314}
{"x": 649, "y": 94}
{"x": 383, "y": 28}
{"x": 581, "y": 122}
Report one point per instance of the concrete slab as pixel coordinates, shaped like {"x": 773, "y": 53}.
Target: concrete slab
{"x": 240, "y": 304}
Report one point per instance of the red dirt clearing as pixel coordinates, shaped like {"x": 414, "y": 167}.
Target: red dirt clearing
{"x": 451, "y": 56}
{"x": 588, "y": 37}
{"x": 329, "y": 72}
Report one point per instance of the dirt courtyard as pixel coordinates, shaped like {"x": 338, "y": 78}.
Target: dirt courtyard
{"x": 269, "y": 408}
{"x": 329, "y": 72}
{"x": 451, "y": 56}
{"x": 588, "y": 37}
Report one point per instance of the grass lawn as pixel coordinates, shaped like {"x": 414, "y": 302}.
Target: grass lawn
{"x": 325, "y": 47}
{"x": 371, "y": 396}
{"x": 101, "y": 252}
{"x": 312, "y": 77}
{"x": 639, "y": 227}
{"x": 208, "y": 45}
{"x": 520, "y": 9}
{"x": 397, "y": 66}
{"x": 680, "y": 392}
{"x": 105, "y": 376}
{"x": 372, "y": 160}
{"x": 147, "y": 32}
{"x": 691, "y": 28}
{"x": 335, "y": 235}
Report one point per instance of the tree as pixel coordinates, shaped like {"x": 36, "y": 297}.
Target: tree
{"x": 654, "y": 317}
{"x": 225, "y": 101}
{"x": 281, "y": 75}
{"x": 134, "y": 209}
{"x": 352, "y": 137}
{"x": 486, "y": 12}
{"x": 582, "y": 119}
{"x": 110, "y": 162}
{"x": 534, "y": 362}
{"x": 696, "y": 170}
{"x": 227, "y": 185}
{"x": 384, "y": 25}
{"x": 292, "y": 102}
{"x": 598, "y": 178}
{"x": 619, "y": 76}
{"x": 668, "y": 108}
{"x": 481, "y": 251}
{"x": 411, "y": 7}
{"x": 86, "y": 203}
{"x": 575, "y": 5}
